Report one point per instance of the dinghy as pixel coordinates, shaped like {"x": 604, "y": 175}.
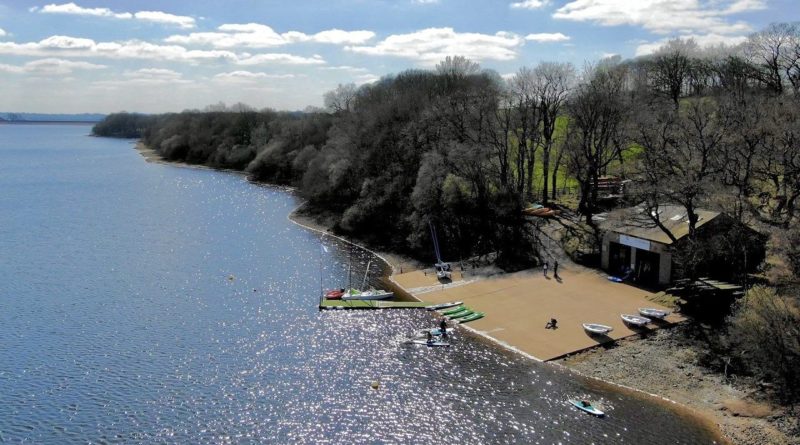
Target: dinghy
{"x": 597, "y": 329}
{"x": 653, "y": 313}
{"x": 454, "y": 310}
{"x": 586, "y": 407}
{"x": 436, "y": 307}
{"x": 461, "y": 314}
{"x": 635, "y": 320}
{"x": 431, "y": 343}
{"x": 474, "y": 316}
{"x": 435, "y": 332}
{"x": 372, "y": 294}
{"x": 335, "y": 294}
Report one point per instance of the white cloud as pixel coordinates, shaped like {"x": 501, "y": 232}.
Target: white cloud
{"x": 366, "y": 78}
{"x": 65, "y": 46}
{"x": 547, "y": 37}
{"x": 163, "y": 17}
{"x": 529, "y": 4}
{"x": 148, "y": 16}
{"x": 345, "y": 68}
{"x": 662, "y": 16}
{"x": 153, "y": 73}
{"x": 256, "y": 35}
{"x": 2, "y": 32}
{"x": 608, "y": 55}
{"x": 50, "y": 66}
{"x": 72, "y": 8}
{"x": 431, "y": 45}
{"x": 426, "y": 2}
{"x": 339, "y": 37}
{"x": 288, "y": 59}
{"x": 703, "y": 41}
{"x": 248, "y": 77}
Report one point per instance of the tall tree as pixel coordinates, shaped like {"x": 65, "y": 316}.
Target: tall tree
{"x": 596, "y": 136}
{"x": 552, "y": 83}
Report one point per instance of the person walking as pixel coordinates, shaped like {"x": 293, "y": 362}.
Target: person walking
{"x": 544, "y": 268}
{"x": 555, "y": 270}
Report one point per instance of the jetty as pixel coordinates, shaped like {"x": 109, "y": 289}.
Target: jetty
{"x": 370, "y": 304}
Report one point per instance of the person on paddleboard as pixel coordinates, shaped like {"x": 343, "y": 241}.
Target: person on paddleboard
{"x": 443, "y": 327}
{"x": 430, "y": 337}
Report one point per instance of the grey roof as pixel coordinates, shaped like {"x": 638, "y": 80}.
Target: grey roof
{"x": 636, "y": 222}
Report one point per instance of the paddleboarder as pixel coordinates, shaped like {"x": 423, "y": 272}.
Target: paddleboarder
{"x": 443, "y": 327}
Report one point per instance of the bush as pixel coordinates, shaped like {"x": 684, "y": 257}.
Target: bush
{"x": 765, "y": 328}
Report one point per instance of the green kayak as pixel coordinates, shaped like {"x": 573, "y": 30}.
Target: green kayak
{"x": 454, "y": 310}
{"x": 471, "y": 317}
{"x": 460, "y": 315}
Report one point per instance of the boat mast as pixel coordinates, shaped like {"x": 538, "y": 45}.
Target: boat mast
{"x": 366, "y": 273}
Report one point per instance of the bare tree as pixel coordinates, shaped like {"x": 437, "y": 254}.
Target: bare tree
{"x": 341, "y": 99}
{"x": 596, "y": 132}
{"x": 672, "y": 68}
{"x": 552, "y": 83}
{"x": 776, "y": 51}
{"x": 526, "y": 128}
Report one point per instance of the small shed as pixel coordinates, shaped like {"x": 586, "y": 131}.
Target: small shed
{"x": 636, "y": 248}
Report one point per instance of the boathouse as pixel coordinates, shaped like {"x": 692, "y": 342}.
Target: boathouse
{"x": 635, "y": 248}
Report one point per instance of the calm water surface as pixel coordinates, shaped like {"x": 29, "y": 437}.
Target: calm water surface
{"x": 143, "y": 303}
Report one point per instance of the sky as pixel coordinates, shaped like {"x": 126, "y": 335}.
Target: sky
{"x": 161, "y": 56}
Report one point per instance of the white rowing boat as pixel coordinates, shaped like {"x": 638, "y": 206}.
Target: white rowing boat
{"x": 635, "y": 320}
{"x": 436, "y": 307}
{"x": 598, "y": 329}
{"x": 653, "y": 313}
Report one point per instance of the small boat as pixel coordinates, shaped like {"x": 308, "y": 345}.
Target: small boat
{"x": 615, "y": 279}
{"x": 438, "y": 343}
{"x": 371, "y": 294}
{"x": 474, "y": 316}
{"x": 435, "y": 332}
{"x": 635, "y": 320}
{"x": 586, "y": 407}
{"x": 454, "y": 310}
{"x": 461, "y": 314}
{"x": 597, "y": 329}
{"x": 436, "y": 307}
{"x": 653, "y": 313}
{"x": 335, "y": 294}
{"x": 443, "y": 271}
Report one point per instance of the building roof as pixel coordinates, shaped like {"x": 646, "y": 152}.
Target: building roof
{"x": 636, "y": 222}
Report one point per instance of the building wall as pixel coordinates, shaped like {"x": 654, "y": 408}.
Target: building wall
{"x": 665, "y": 259}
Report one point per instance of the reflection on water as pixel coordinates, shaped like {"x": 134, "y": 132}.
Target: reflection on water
{"x": 148, "y": 303}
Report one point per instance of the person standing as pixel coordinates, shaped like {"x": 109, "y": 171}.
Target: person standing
{"x": 544, "y": 268}
{"x": 555, "y": 270}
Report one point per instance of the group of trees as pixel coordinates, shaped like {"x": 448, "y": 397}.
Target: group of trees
{"x": 465, "y": 149}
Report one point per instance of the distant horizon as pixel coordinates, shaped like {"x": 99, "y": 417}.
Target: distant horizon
{"x": 156, "y": 57}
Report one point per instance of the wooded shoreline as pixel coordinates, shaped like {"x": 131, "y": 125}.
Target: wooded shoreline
{"x": 737, "y": 421}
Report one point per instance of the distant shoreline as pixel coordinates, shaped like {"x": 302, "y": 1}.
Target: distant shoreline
{"x": 48, "y": 122}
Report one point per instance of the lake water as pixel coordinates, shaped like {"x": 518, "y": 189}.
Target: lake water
{"x": 146, "y": 303}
